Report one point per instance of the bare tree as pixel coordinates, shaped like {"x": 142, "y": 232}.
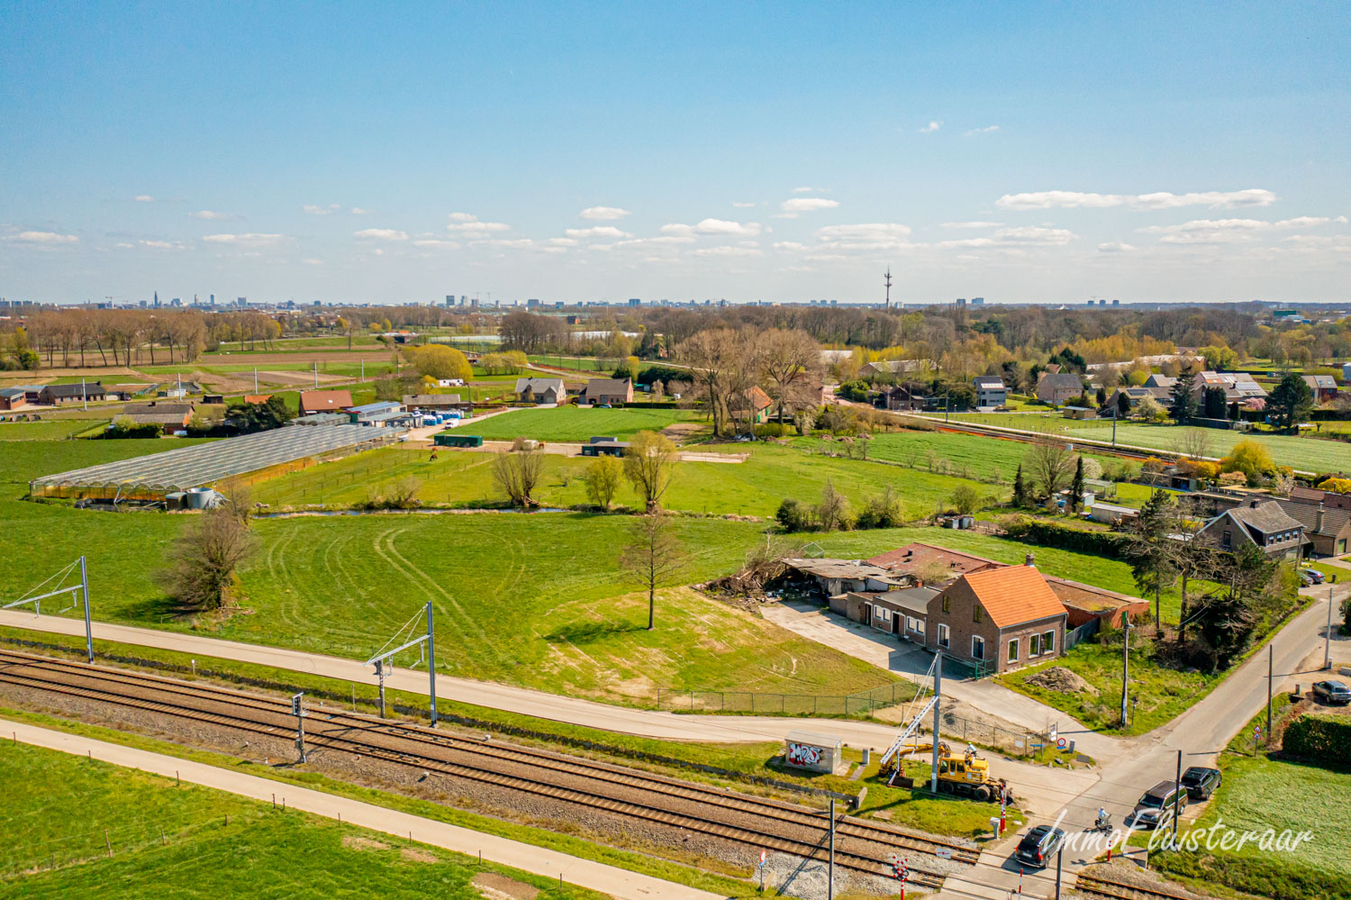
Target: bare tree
{"x": 712, "y": 357}
{"x": 653, "y": 557}
{"x": 649, "y": 464}
{"x": 1193, "y": 443}
{"x": 1050, "y": 465}
{"x": 517, "y": 474}
{"x": 200, "y": 567}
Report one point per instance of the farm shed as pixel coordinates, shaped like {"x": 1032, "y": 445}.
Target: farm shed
{"x": 202, "y": 465}
{"x": 451, "y": 439}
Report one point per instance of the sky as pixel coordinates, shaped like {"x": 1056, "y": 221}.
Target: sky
{"x": 390, "y": 153}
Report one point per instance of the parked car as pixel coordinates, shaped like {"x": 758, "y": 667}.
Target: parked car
{"x": 1039, "y": 845}
{"x": 1333, "y": 693}
{"x": 1155, "y": 808}
{"x": 1310, "y": 577}
{"x": 1201, "y": 782}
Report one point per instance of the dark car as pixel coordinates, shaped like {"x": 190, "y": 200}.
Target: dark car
{"x": 1201, "y": 782}
{"x": 1332, "y": 692}
{"x": 1039, "y": 845}
{"x": 1155, "y": 808}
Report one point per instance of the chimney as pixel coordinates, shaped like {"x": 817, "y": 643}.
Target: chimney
{"x": 1029, "y": 560}
{"x": 1254, "y": 503}
{"x": 1318, "y": 522}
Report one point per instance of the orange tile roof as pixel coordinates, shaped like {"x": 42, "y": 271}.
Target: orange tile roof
{"x": 325, "y": 401}
{"x": 1014, "y": 594}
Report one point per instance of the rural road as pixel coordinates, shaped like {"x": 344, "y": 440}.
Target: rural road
{"x": 595, "y": 876}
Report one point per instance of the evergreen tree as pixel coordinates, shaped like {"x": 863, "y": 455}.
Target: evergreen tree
{"x": 1123, "y": 404}
{"x": 1150, "y": 550}
{"x": 1021, "y": 497}
{"x": 1077, "y": 486}
{"x": 1215, "y": 404}
{"x": 1184, "y": 400}
{"x": 1290, "y": 402}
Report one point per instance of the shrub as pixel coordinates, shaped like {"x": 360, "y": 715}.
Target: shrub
{"x": 794, "y": 516}
{"x": 881, "y": 511}
{"x": 1320, "y": 739}
{"x": 1249, "y": 457}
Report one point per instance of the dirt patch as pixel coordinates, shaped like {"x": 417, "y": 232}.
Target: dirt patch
{"x": 679, "y": 431}
{"x": 353, "y": 842}
{"x": 500, "y": 887}
{"x": 1062, "y": 681}
{"x": 412, "y": 854}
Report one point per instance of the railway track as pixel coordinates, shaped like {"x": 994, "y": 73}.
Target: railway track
{"x": 862, "y": 846}
{"x": 1101, "y": 887}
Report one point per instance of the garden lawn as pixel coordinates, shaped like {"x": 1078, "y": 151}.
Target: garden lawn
{"x": 576, "y": 424}
{"x": 49, "y": 430}
{"x": 67, "y": 802}
{"x": 1163, "y": 693}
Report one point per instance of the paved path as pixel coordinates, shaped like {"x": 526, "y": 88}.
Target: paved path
{"x": 596, "y": 876}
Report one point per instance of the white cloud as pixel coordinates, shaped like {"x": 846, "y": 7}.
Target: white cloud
{"x": 311, "y": 209}
{"x": 1226, "y": 231}
{"x": 501, "y": 242}
{"x": 599, "y": 231}
{"x": 603, "y": 213}
{"x": 933, "y": 126}
{"x": 803, "y": 190}
{"x": 470, "y": 225}
{"x": 1115, "y": 247}
{"x": 807, "y": 204}
{"x": 874, "y": 236}
{"x": 789, "y": 245}
{"x": 1159, "y": 200}
{"x": 211, "y": 215}
{"x": 311, "y": 261}
{"x": 713, "y": 226}
{"x": 1007, "y": 238}
{"x": 437, "y": 243}
{"x": 246, "y": 240}
{"x": 163, "y": 245}
{"x": 358, "y": 211}
{"x": 382, "y": 234}
{"x": 726, "y": 251}
{"x": 971, "y": 224}
{"x": 740, "y": 205}
{"x": 144, "y": 198}
{"x": 563, "y": 242}
{"x": 988, "y": 129}
{"x": 49, "y": 238}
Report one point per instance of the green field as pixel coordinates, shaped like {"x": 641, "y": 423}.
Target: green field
{"x": 981, "y": 457}
{"x": 53, "y": 834}
{"x": 755, "y": 487}
{"x": 1305, "y": 454}
{"x": 576, "y": 424}
{"x": 50, "y": 429}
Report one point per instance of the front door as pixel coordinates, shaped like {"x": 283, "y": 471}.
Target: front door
{"x": 867, "y": 614}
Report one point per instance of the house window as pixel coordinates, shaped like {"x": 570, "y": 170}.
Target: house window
{"x": 1228, "y": 540}
{"x": 977, "y": 647}
{"x": 1034, "y": 645}
{"x": 977, "y": 613}
{"x": 1048, "y": 642}
{"x": 947, "y": 604}
{"x": 1013, "y": 650}
{"x": 918, "y": 626}
{"x": 944, "y": 636}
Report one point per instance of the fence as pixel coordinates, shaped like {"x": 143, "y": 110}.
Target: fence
{"x": 763, "y": 703}
{"x": 1082, "y": 633}
{"x": 957, "y": 730}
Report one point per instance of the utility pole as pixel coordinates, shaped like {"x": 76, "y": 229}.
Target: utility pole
{"x": 1177, "y": 798}
{"x": 431, "y": 663}
{"x": 255, "y": 379}
{"x": 1114, "y": 411}
{"x": 84, "y": 395}
{"x": 380, "y": 674}
{"x": 947, "y": 402}
{"x": 1327, "y": 635}
{"x": 938, "y": 703}
{"x": 1270, "y": 653}
{"x": 1125, "y": 672}
{"x": 88, "y": 624}
{"x": 1059, "y": 867}
{"x": 316, "y": 374}
{"x": 298, "y": 710}
{"x": 830, "y": 875}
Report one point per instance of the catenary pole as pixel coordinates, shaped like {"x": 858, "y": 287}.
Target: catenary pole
{"x": 88, "y": 623}
{"x": 830, "y": 876}
{"x": 1177, "y": 797}
{"x": 1270, "y": 677}
{"x": 1125, "y": 671}
{"x": 1327, "y": 635}
{"x": 938, "y": 703}
{"x": 431, "y": 663}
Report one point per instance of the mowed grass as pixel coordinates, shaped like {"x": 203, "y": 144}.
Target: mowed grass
{"x": 49, "y": 430}
{"x": 755, "y": 487}
{"x": 976, "y": 455}
{"x": 67, "y": 802}
{"x": 575, "y": 424}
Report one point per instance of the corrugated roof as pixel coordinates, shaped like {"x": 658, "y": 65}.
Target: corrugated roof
{"x": 1014, "y": 594}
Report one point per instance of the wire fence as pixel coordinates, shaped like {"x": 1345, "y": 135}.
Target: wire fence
{"x": 770, "y": 703}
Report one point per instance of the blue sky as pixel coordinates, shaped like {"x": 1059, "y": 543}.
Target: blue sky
{"x": 380, "y": 152}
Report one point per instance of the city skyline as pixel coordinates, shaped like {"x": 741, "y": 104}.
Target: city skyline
{"x": 783, "y": 153}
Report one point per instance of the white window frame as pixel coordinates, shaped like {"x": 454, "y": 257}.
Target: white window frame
{"x": 1033, "y": 645}
{"x": 1048, "y": 642}
{"x": 944, "y": 636}
{"x": 974, "y": 638}
{"x": 1012, "y": 649}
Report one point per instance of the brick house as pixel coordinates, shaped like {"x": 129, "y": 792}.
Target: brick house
{"x": 541, "y": 390}
{"x": 1261, "y": 524}
{"x": 998, "y": 619}
{"x": 1059, "y": 388}
{"x": 611, "y": 391}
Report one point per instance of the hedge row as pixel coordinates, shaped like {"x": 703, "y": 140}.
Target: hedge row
{"x": 1320, "y": 739}
{"x": 1050, "y": 534}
